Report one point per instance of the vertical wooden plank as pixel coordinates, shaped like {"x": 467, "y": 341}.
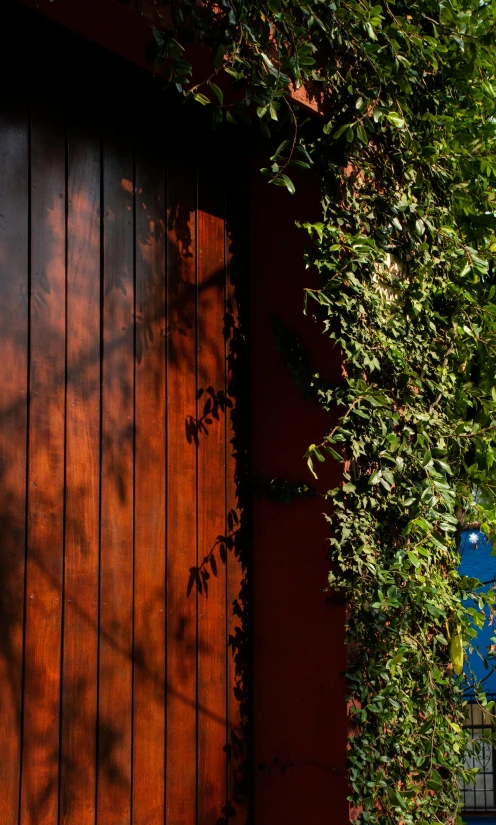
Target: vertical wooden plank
{"x": 150, "y": 480}
{"x": 116, "y": 542}
{"x": 13, "y": 422}
{"x": 237, "y": 583}
{"x": 40, "y": 770}
{"x": 80, "y": 632}
{"x": 211, "y": 501}
{"x": 181, "y": 495}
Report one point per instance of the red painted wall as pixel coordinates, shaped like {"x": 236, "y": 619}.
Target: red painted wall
{"x": 299, "y": 653}
{"x": 109, "y": 23}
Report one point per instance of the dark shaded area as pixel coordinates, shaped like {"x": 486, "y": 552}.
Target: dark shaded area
{"x": 300, "y": 719}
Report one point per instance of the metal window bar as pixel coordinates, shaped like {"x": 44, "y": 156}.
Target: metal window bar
{"x": 480, "y": 797}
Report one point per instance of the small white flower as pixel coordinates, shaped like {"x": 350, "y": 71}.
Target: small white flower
{"x": 473, "y": 538}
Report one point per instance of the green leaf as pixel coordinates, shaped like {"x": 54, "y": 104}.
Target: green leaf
{"x": 419, "y": 227}
{"x": 341, "y": 130}
{"x": 413, "y": 558}
{"x": 218, "y": 93}
{"x": 456, "y": 653}
{"x": 289, "y": 184}
{"x": 310, "y": 466}
{"x": 333, "y": 453}
{"x": 203, "y": 99}
{"x": 362, "y": 134}
{"x": 280, "y": 148}
{"x": 370, "y": 31}
{"x": 218, "y": 56}
{"x": 157, "y": 36}
{"x": 396, "y": 120}
{"x": 300, "y": 164}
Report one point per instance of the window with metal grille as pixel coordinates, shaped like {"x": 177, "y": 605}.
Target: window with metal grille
{"x": 481, "y": 796}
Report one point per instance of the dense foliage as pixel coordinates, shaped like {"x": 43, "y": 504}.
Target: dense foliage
{"x": 405, "y": 156}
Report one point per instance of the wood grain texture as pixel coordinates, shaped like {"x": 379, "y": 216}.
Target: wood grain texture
{"x": 116, "y": 472}
{"x": 181, "y": 496}
{"x": 40, "y": 768}
{"x": 150, "y": 479}
{"x": 80, "y": 633}
{"x": 116, "y": 553}
{"x": 212, "y": 682}
{"x": 14, "y": 167}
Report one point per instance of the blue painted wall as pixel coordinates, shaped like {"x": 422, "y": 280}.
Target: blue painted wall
{"x": 478, "y": 562}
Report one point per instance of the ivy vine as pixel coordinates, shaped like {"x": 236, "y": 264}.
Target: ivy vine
{"x": 404, "y": 152}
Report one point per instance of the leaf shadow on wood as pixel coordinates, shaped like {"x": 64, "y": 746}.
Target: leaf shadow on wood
{"x": 229, "y": 407}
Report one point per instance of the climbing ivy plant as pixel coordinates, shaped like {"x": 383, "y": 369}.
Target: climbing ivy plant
{"x": 404, "y": 151}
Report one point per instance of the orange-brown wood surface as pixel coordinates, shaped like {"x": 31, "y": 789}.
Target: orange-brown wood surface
{"x": 82, "y": 474}
{"x": 45, "y": 489}
{"x": 117, "y": 471}
{"x": 182, "y": 524}
{"x": 211, "y": 434}
{"x": 14, "y": 222}
{"x": 150, "y": 486}
{"x": 116, "y": 527}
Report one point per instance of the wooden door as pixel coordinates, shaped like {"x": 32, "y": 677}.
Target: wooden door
{"x": 122, "y": 579}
